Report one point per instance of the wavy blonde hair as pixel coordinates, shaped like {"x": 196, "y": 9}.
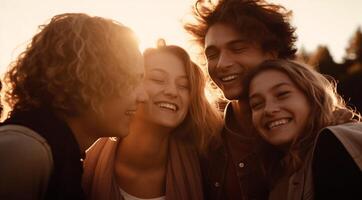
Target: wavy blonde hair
{"x": 72, "y": 64}
{"x": 203, "y": 122}
{"x": 326, "y": 104}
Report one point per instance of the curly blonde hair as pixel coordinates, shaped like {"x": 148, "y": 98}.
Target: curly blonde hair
{"x": 72, "y": 64}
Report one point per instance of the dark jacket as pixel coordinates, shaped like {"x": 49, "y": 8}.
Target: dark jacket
{"x": 333, "y": 168}
{"x": 65, "y": 181}
{"x": 232, "y": 170}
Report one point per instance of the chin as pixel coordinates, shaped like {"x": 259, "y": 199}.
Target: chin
{"x": 122, "y": 133}
{"x": 233, "y": 94}
{"x": 168, "y": 124}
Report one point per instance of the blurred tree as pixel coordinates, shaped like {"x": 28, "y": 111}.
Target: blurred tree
{"x": 351, "y": 90}
{"x": 354, "y": 49}
{"x": 350, "y": 86}
{"x": 303, "y": 55}
{"x": 324, "y": 63}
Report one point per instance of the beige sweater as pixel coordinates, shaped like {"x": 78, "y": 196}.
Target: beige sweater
{"x": 183, "y": 178}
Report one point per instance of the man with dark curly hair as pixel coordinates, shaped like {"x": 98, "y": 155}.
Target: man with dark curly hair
{"x": 237, "y": 35}
{"x": 78, "y": 80}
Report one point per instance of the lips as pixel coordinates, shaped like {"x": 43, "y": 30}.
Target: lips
{"x": 229, "y": 78}
{"x": 130, "y": 112}
{"x": 277, "y": 123}
{"x": 168, "y": 105}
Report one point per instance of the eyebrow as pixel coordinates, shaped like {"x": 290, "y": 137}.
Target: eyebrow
{"x": 236, "y": 41}
{"x": 272, "y": 88}
{"x": 183, "y": 77}
{"x": 160, "y": 70}
{"x": 163, "y": 71}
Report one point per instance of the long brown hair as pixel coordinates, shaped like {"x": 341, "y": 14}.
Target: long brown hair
{"x": 323, "y": 99}
{"x": 203, "y": 122}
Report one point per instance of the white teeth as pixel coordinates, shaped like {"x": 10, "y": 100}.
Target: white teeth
{"x": 277, "y": 123}
{"x": 130, "y": 112}
{"x": 229, "y": 78}
{"x": 170, "y": 106}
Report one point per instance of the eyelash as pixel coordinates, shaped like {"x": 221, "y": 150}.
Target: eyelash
{"x": 239, "y": 49}
{"x": 283, "y": 94}
{"x": 157, "y": 80}
{"x": 211, "y": 56}
{"x": 255, "y": 106}
{"x": 184, "y": 87}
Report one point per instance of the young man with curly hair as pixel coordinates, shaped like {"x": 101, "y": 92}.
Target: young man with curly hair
{"x": 78, "y": 80}
{"x": 237, "y": 35}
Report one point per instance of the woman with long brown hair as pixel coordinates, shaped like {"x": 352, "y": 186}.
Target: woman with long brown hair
{"x": 313, "y": 141}
{"x": 159, "y": 157}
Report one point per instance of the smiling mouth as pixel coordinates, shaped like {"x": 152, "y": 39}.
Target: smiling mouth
{"x": 167, "y": 105}
{"x": 229, "y": 78}
{"x": 130, "y": 112}
{"x": 277, "y": 123}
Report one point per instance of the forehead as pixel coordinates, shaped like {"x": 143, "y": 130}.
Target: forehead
{"x": 220, "y": 34}
{"x": 268, "y": 79}
{"x": 138, "y": 63}
{"x": 165, "y": 61}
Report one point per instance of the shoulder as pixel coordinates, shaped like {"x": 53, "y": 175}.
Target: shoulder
{"x": 348, "y": 135}
{"x": 337, "y": 163}
{"x": 28, "y": 159}
{"x": 22, "y": 140}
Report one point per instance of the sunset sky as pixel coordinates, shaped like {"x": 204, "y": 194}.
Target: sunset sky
{"x": 328, "y": 22}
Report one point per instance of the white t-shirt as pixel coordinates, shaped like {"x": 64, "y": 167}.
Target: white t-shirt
{"x": 127, "y": 196}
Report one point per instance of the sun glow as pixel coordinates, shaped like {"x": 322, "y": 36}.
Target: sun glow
{"x": 154, "y": 19}
{"x": 150, "y": 20}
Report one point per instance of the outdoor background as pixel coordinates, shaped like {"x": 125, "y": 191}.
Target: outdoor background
{"x": 328, "y": 31}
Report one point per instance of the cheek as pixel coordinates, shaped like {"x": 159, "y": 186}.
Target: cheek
{"x": 151, "y": 89}
{"x": 211, "y": 69}
{"x": 256, "y": 120}
{"x": 186, "y": 99}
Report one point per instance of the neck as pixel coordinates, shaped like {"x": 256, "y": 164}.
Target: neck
{"x": 145, "y": 148}
{"x": 241, "y": 119}
{"x": 81, "y": 133}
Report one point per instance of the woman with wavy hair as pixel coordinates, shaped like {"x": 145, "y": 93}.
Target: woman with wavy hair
{"x": 159, "y": 157}
{"x": 313, "y": 142}
{"x": 78, "y": 80}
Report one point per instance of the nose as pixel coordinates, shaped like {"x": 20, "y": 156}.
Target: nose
{"x": 170, "y": 90}
{"x": 271, "y": 108}
{"x": 141, "y": 95}
{"x": 224, "y": 61}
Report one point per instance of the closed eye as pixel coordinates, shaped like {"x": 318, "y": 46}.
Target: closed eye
{"x": 159, "y": 81}
{"x": 239, "y": 49}
{"x": 184, "y": 87}
{"x": 255, "y": 105}
{"x": 211, "y": 53}
{"x": 283, "y": 94}
{"x": 211, "y": 56}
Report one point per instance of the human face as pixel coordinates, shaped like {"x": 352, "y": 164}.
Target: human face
{"x": 167, "y": 86}
{"x": 279, "y": 108}
{"x": 229, "y": 56}
{"x": 117, "y": 110}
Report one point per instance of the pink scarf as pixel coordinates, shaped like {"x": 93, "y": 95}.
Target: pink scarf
{"x": 183, "y": 176}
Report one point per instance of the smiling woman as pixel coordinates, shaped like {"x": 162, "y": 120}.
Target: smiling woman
{"x": 313, "y": 142}
{"x": 159, "y": 158}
